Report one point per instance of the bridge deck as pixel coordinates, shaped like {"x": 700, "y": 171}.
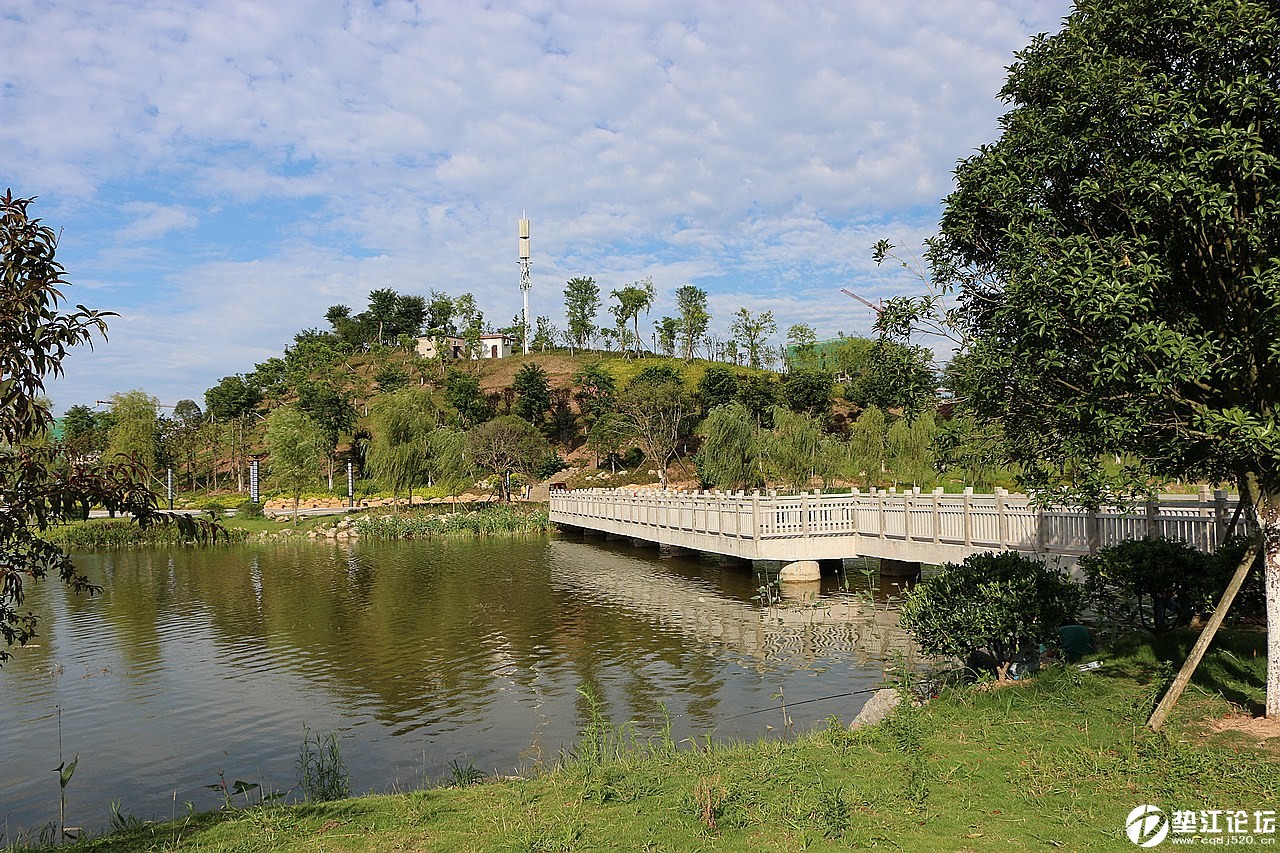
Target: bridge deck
{"x": 929, "y": 528}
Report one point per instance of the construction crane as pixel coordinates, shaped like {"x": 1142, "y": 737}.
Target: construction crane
{"x": 872, "y": 306}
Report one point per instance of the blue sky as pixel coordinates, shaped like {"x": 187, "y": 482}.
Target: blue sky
{"x": 222, "y": 172}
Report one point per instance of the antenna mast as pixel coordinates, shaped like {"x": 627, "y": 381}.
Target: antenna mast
{"x": 525, "y": 281}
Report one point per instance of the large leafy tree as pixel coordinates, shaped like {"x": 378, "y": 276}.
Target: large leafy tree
{"x": 658, "y": 412}
{"x": 731, "y": 447}
{"x": 504, "y": 446}
{"x": 752, "y": 332}
{"x": 1117, "y": 257}
{"x": 633, "y": 299}
{"x": 581, "y": 303}
{"x": 38, "y": 489}
{"x": 694, "y": 318}
{"x": 533, "y": 393}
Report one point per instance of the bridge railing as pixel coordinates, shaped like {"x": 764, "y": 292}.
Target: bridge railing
{"x": 975, "y": 522}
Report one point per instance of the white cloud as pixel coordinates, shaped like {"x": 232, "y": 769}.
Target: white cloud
{"x": 289, "y": 156}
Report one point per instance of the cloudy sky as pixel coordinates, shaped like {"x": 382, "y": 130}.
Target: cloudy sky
{"x": 222, "y": 172}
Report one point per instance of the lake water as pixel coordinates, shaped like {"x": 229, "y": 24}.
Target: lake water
{"x": 200, "y": 664}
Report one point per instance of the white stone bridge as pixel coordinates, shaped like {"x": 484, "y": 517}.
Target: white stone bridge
{"x": 903, "y": 526}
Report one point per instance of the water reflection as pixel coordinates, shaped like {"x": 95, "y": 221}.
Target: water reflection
{"x": 193, "y": 662}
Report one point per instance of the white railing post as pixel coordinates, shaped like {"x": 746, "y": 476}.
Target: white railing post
{"x": 1002, "y": 518}
{"x": 968, "y": 516}
{"x": 1220, "y": 516}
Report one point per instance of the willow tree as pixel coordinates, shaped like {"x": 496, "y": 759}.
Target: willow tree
{"x": 295, "y": 444}
{"x": 730, "y": 455}
{"x": 1116, "y": 254}
{"x": 798, "y": 450}
{"x": 868, "y": 446}
{"x": 400, "y": 453}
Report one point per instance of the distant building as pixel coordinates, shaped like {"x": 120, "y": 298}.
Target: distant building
{"x": 453, "y": 347}
{"x": 495, "y": 346}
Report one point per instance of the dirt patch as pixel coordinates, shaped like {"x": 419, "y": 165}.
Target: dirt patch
{"x": 1262, "y": 729}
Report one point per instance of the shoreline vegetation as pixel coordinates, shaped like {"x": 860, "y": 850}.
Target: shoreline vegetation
{"x": 1058, "y": 761}
{"x": 488, "y": 520}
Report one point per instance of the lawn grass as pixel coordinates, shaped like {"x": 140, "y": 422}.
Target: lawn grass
{"x": 1057, "y": 762}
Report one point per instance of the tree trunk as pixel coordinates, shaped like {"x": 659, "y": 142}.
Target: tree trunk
{"x": 1269, "y": 517}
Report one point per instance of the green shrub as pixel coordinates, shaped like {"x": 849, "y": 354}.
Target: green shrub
{"x": 249, "y": 509}
{"x": 1157, "y": 584}
{"x": 215, "y": 508}
{"x": 997, "y": 603}
{"x": 549, "y": 466}
{"x": 1251, "y": 600}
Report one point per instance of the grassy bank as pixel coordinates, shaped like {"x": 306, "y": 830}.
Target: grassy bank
{"x": 1057, "y": 762}
{"x": 493, "y": 520}
{"x": 123, "y": 533}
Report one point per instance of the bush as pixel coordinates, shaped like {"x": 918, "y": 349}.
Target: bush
{"x": 1251, "y": 600}
{"x": 549, "y": 466}
{"x": 1157, "y": 584}
{"x": 998, "y": 603}
{"x": 249, "y": 509}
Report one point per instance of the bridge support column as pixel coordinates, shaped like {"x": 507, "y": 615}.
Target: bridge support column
{"x": 665, "y": 550}
{"x": 641, "y": 543}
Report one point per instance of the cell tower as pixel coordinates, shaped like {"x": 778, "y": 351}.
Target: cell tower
{"x": 525, "y": 281}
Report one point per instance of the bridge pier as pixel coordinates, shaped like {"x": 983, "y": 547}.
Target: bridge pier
{"x": 831, "y": 567}
{"x": 665, "y": 550}
{"x": 637, "y": 542}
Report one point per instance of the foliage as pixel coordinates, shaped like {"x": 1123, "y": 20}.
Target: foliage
{"x": 322, "y": 774}
{"x": 606, "y": 437}
{"x": 802, "y": 347}
{"x": 462, "y": 392}
{"x": 910, "y": 450}
{"x": 389, "y": 315}
{"x": 691, "y": 303}
{"x": 504, "y": 446}
{"x": 972, "y": 450}
{"x": 451, "y": 468}
{"x": 729, "y": 457}
{"x": 545, "y": 334}
{"x": 895, "y": 376}
{"x": 533, "y": 393}
{"x": 581, "y": 303}
{"x": 1157, "y": 584}
{"x": 632, "y": 300}
{"x": 868, "y": 445}
{"x": 808, "y": 391}
{"x": 595, "y": 391}
{"x": 122, "y": 533}
{"x": 1001, "y": 603}
{"x": 84, "y": 430}
{"x": 548, "y": 466}
{"x": 495, "y": 520}
{"x": 752, "y": 332}
{"x": 1116, "y": 250}
{"x": 296, "y": 444}
{"x": 400, "y": 454}
{"x": 759, "y": 393}
{"x": 667, "y": 330}
{"x": 798, "y": 450}
{"x": 133, "y": 429}
{"x": 657, "y": 411}
{"x": 717, "y": 386}
{"x": 39, "y": 488}
{"x": 249, "y": 509}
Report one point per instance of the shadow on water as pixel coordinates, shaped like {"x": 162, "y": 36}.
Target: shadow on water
{"x": 194, "y": 662}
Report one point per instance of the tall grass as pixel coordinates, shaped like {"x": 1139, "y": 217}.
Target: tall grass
{"x": 490, "y": 521}
{"x": 122, "y": 533}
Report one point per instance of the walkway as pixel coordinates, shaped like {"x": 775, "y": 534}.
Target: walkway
{"x": 911, "y": 527}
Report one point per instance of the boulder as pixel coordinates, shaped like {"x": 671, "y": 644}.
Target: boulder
{"x": 801, "y": 571}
